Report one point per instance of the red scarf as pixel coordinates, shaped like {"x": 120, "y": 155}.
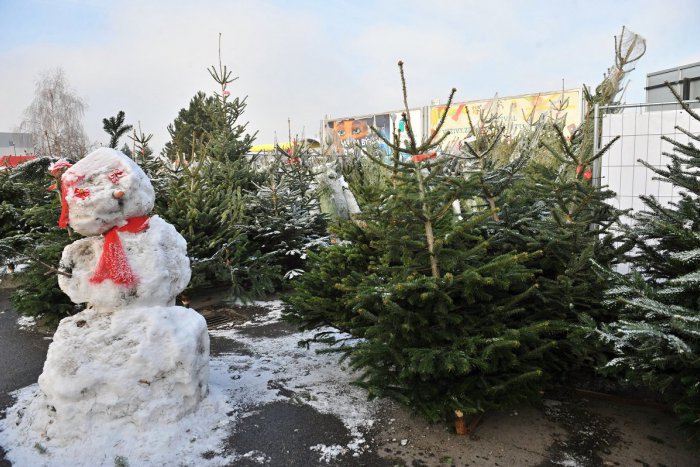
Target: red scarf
{"x": 63, "y": 220}
{"x": 113, "y": 264}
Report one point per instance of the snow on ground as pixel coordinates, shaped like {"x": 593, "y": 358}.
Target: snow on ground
{"x": 179, "y": 443}
{"x": 279, "y": 369}
{"x": 26, "y": 323}
{"x": 269, "y": 369}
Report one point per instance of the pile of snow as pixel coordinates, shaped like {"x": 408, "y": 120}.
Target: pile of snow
{"x": 175, "y": 443}
{"x": 26, "y": 323}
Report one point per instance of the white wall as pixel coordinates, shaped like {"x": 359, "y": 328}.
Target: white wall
{"x": 641, "y": 132}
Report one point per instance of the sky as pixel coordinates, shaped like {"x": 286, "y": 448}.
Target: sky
{"x": 299, "y": 61}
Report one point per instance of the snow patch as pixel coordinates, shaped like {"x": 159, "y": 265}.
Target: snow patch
{"x": 328, "y": 453}
{"x": 26, "y": 323}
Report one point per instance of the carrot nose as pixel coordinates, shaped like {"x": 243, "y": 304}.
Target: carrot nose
{"x": 118, "y": 194}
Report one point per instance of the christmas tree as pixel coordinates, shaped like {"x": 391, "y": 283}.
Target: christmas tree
{"x": 437, "y": 310}
{"x": 208, "y": 182}
{"x": 285, "y": 222}
{"x": 558, "y": 210}
{"x": 657, "y": 335}
{"x": 32, "y": 239}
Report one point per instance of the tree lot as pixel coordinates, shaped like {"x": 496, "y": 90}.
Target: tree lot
{"x": 469, "y": 282}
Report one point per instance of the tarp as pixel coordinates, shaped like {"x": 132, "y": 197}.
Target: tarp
{"x": 14, "y": 161}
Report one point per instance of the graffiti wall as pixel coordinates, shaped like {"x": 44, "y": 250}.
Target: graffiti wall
{"x": 416, "y": 125}
{"x": 350, "y": 135}
{"x": 513, "y": 112}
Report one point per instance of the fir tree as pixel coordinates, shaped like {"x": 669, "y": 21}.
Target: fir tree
{"x": 285, "y": 221}
{"x": 657, "y": 335}
{"x": 31, "y": 238}
{"x": 115, "y": 128}
{"x": 437, "y": 310}
{"x": 553, "y": 205}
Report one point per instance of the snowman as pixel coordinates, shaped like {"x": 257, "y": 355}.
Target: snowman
{"x": 132, "y": 356}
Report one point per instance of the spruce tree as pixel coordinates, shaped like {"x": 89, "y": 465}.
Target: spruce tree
{"x": 437, "y": 310}
{"x": 32, "y": 240}
{"x": 207, "y": 188}
{"x": 190, "y": 125}
{"x": 115, "y": 128}
{"x": 285, "y": 222}
{"x": 657, "y": 335}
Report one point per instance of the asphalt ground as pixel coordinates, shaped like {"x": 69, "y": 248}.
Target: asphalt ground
{"x": 22, "y": 355}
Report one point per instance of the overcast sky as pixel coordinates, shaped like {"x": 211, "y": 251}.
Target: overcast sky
{"x": 304, "y": 59}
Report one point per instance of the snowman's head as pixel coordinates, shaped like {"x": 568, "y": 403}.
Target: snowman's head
{"x": 104, "y": 190}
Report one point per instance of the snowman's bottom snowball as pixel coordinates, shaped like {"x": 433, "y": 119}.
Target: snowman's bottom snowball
{"x": 137, "y": 365}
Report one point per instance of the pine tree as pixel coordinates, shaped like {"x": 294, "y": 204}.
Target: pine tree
{"x": 115, "y": 128}
{"x": 31, "y": 238}
{"x": 437, "y": 310}
{"x": 207, "y": 187}
{"x": 657, "y": 335}
{"x": 285, "y": 221}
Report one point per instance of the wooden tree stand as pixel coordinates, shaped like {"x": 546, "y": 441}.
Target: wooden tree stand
{"x": 462, "y": 427}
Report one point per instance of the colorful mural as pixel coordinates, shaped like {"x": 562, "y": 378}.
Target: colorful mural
{"x": 351, "y": 134}
{"x": 515, "y": 112}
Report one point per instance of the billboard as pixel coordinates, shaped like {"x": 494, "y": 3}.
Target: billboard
{"x": 514, "y": 112}
{"x": 349, "y": 135}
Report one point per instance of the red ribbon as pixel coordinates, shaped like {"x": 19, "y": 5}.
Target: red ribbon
{"x": 113, "y": 264}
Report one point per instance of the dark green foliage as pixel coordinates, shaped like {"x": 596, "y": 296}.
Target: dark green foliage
{"x": 115, "y": 128}
{"x": 32, "y": 239}
{"x": 186, "y": 132}
{"x": 285, "y": 223}
{"x": 208, "y": 194}
{"x": 436, "y": 307}
{"x": 210, "y": 124}
{"x": 657, "y": 336}
{"x": 205, "y": 204}
{"x": 558, "y": 211}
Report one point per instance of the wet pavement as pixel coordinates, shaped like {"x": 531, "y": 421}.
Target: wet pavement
{"x": 22, "y": 355}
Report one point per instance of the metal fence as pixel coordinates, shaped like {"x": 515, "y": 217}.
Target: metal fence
{"x": 640, "y": 127}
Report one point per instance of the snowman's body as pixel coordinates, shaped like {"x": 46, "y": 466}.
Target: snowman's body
{"x": 131, "y": 357}
{"x": 157, "y": 255}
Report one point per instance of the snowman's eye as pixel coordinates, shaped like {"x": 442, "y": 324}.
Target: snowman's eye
{"x": 115, "y": 175}
{"x": 81, "y": 193}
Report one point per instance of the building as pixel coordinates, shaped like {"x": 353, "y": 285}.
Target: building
{"x": 348, "y": 134}
{"x": 641, "y": 129}
{"x": 685, "y": 80}
{"x": 15, "y": 148}
{"x": 16, "y": 144}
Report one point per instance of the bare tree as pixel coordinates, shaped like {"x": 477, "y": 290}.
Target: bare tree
{"x": 54, "y": 118}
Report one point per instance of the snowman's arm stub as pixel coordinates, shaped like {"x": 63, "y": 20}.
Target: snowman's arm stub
{"x": 79, "y": 259}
